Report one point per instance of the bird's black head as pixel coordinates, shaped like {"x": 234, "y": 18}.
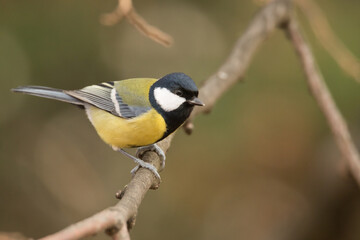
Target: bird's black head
{"x": 174, "y": 97}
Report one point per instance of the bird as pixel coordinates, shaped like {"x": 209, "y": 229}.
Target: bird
{"x": 132, "y": 113}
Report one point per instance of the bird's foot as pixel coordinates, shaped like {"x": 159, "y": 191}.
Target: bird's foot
{"x": 153, "y": 147}
{"x": 141, "y": 163}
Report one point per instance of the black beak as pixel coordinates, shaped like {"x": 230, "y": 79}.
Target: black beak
{"x": 195, "y": 101}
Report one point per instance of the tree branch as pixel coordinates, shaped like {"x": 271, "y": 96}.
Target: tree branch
{"x": 126, "y": 9}
{"x": 346, "y": 60}
{"x": 277, "y": 13}
{"x": 328, "y": 39}
{"x": 265, "y": 21}
{"x": 117, "y": 217}
{"x": 235, "y": 66}
{"x": 325, "y": 101}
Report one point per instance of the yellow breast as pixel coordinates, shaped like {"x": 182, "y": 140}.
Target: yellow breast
{"x": 143, "y": 130}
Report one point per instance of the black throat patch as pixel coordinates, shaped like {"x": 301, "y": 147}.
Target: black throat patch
{"x": 173, "y": 119}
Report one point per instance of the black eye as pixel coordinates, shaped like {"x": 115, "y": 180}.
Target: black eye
{"x": 179, "y": 93}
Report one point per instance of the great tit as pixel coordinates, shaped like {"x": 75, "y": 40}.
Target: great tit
{"x": 135, "y": 112}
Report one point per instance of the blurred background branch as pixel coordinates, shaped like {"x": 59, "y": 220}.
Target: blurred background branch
{"x": 328, "y": 39}
{"x": 325, "y": 101}
{"x": 319, "y": 23}
{"x": 12, "y": 236}
{"x": 126, "y": 9}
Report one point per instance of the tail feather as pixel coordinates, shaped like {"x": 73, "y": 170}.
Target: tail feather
{"x": 46, "y": 92}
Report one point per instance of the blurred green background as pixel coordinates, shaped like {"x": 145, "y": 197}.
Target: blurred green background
{"x": 262, "y": 165}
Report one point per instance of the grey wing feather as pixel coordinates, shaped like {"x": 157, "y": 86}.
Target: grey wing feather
{"x": 105, "y": 97}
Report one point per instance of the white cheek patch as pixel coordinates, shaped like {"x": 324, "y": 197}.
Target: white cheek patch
{"x": 167, "y": 100}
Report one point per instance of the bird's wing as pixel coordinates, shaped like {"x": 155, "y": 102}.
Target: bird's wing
{"x": 126, "y": 98}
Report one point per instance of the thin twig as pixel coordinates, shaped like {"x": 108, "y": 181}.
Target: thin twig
{"x": 319, "y": 23}
{"x": 328, "y": 39}
{"x": 126, "y": 9}
{"x": 324, "y": 99}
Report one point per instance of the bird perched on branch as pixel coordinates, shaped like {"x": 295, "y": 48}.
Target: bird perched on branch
{"x": 134, "y": 112}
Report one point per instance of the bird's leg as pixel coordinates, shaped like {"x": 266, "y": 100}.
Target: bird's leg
{"x": 153, "y": 147}
{"x": 140, "y": 163}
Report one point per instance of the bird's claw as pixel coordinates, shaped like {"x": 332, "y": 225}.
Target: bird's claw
{"x": 148, "y": 166}
{"x": 153, "y": 147}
